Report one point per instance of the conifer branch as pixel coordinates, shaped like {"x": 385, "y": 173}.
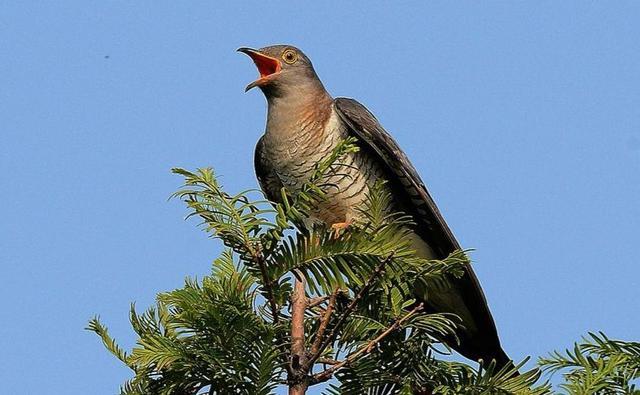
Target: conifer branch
{"x": 324, "y": 322}
{"x": 267, "y": 283}
{"x": 328, "y": 361}
{"x": 218, "y": 333}
{"x": 313, "y": 302}
{"x": 326, "y": 374}
{"x": 350, "y": 308}
{"x": 299, "y": 302}
{"x": 298, "y": 307}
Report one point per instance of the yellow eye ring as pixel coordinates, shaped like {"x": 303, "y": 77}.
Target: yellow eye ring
{"x": 290, "y": 56}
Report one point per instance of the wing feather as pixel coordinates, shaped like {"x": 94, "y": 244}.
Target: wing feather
{"x": 430, "y": 224}
{"x": 430, "y": 221}
{"x": 269, "y": 181}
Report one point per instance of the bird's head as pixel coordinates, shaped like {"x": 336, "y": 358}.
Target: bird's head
{"x": 283, "y": 69}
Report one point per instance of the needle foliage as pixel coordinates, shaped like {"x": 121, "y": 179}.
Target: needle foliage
{"x": 230, "y": 332}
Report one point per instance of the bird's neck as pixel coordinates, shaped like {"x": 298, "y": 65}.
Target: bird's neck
{"x": 301, "y": 113}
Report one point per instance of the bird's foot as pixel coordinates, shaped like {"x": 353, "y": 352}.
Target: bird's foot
{"x": 339, "y": 227}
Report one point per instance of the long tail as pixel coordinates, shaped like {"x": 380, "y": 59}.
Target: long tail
{"x": 502, "y": 361}
{"x": 476, "y": 337}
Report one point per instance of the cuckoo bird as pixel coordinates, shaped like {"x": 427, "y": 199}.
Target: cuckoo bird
{"x": 304, "y": 125}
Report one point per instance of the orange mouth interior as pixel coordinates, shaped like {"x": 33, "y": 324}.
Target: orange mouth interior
{"x": 265, "y": 64}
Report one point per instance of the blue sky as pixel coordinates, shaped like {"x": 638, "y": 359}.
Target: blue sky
{"x": 523, "y": 119}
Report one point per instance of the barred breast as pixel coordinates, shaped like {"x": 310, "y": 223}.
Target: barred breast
{"x": 294, "y": 154}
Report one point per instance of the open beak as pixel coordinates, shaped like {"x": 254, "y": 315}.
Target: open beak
{"x": 267, "y": 66}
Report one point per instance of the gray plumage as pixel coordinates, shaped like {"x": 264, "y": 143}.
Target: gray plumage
{"x": 304, "y": 124}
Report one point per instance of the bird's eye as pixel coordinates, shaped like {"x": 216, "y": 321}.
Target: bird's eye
{"x": 290, "y": 56}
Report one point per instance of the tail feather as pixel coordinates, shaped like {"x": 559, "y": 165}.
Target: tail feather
{"x": 502, "y": 362}
{"x": 476, "y": 336}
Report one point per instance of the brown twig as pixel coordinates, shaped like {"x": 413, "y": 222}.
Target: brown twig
{"x": 316, "y": 301}
{"x": 324, "y": 322}
{"x": 328, "y": 361}
{"x": 297, "y": 377}
{"x": 330, "y": 338}
{"x": 326, "y": 374}
{"x": 298, "y": 308}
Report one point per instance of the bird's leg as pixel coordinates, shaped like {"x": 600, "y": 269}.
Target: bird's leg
{"x": 339, "y": 227}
